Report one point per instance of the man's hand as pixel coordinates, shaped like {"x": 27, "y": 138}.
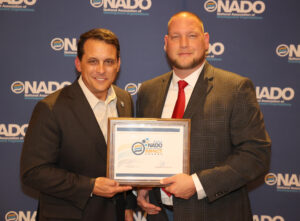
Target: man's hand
{"x": 108, "y": 188}
{"x": 180, "y": 185}
{"x": 143, "y": 202}
{"x": 128, "y": 215}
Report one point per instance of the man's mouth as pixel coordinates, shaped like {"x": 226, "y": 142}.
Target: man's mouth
{"x": 184, "y": 53}
{"x": 100, "y": 79}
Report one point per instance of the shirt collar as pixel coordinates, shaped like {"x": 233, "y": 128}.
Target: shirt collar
{"x": 191, "y": 79}
{"x": 92, "y": 99}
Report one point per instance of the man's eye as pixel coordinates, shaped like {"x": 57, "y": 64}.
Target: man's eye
{"x": 193, "y": 36}
{"x": 174, "y": 37}
{"x": 109, "y": 62}
{"x": 93, "y": 61}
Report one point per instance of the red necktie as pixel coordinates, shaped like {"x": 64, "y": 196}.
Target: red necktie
{"x": 180, "y": 103}
{"x": 178, "y": 109}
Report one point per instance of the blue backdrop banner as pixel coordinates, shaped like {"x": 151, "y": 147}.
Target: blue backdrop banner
{"x": 258, "y": 39}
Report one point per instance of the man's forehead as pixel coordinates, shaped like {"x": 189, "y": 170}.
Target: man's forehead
{"x": 92, "y": 45}
{"x": 93, "y": 41}
{"x": 185, "y": 22}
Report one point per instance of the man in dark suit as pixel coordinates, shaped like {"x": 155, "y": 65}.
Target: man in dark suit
{"x": 229, "y": 144}
{"x": 64, "y": 154}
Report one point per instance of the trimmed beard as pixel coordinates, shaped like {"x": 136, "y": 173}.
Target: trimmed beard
{"x": 191, "y": 65}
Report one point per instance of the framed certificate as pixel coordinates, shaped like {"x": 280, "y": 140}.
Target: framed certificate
{"x": 142, "y": 151}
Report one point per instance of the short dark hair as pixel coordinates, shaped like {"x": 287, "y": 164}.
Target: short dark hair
{"x": 100, "y": 34}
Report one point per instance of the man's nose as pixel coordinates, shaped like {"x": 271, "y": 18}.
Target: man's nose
{"x": 184, "y": 42}
{"x": 100, "y": 68}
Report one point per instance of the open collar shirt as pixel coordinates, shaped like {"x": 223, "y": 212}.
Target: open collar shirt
{"x": 102, "y": 109}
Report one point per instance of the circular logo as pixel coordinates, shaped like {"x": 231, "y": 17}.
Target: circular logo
{"x": 131, "y": 88}
{"x": 57, "y": 44}
{"x": 138, "y": 148}
{"x": 210, "y": 6}
{"x": 145, "y": 6}
{"x": 96, "y": 3}
{"x": 282, "y": 50}
{"x": 17, "y": 87}
{"x": 271, "y": 179}
{"x": 11, "y": 216}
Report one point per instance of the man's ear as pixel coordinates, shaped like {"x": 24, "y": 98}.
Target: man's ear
{"x": 166, "y": 42}
{"x": 78, "y": 64}
{"x": 119, "y": 64}
{"x": 206, "y": 40}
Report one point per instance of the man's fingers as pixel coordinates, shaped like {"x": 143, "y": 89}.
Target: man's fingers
{"x": 180, "y": 185}
{"x": 143, "y": 202}
{"x": 167, "y": 180}
{"x": 108, "y": 188}
{"x": 122, "y": 188}
{"x": 149, "y": 208}
{"x": 111, "y": 191}
{"x": 106, "y": 181}
{"x": 129, "y": 215}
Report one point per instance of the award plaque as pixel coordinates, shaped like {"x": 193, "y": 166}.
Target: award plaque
{"x": 142, "y": 151}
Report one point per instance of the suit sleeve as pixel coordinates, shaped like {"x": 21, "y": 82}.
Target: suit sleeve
{"x": 250, "y": 142}
{"x": 40, "y": 159}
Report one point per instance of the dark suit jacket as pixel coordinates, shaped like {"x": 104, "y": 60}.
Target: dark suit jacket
{"x": 64, "y": 149}
{"x": 229, "y": 144}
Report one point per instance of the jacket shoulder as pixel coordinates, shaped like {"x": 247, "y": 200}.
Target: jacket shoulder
{"x": 156, "y": 80}
{"x": 52, "y": 99}
{"x": 225, "y": 75}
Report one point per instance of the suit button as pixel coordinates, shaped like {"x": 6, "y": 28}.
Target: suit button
{"x": 219, "y": 194}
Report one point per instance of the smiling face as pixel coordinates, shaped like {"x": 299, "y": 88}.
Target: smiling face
{"x": 99, "y": 66}
{"x": 186, "y": 44}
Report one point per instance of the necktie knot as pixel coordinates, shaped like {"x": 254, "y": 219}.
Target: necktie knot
{"x": 182, "y": 84}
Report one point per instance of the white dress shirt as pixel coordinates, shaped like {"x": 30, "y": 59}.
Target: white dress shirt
{"x": 167, "y": 113}
{"x": 102, "y": 109}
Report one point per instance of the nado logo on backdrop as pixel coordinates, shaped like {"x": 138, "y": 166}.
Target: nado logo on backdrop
{"x": 284, "y": 182}
{"x": 123, "y": 7}
{"x": 236, "y": 9}
{"x": 13, "y": 133}
{"x": 68, "y": 45}
{"x": 35, "y": 89}
{"x": 215, "y": 51}
{"x": 17, "y": 5}
{"x": 275, "y": 95}
{"x": 132, "y": 88}
{"x": 291, "y": 51}
{"x": 267, "y": 218}
{"x": 20, "y": 216}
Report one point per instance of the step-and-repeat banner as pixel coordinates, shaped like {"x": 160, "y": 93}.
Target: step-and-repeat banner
{"x": 259, "y": 39}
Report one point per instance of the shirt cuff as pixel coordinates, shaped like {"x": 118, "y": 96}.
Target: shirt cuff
{"x": 92, "y": 182}
{"x": 199, "y": 188}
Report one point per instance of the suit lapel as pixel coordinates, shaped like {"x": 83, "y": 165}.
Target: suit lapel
{"x": 162, "y": 89}
{"x": 121, "y": 104}
{"x": 86, "y": 118}
{"x": 203, "y": 86}
{"x": 120, "y": 107}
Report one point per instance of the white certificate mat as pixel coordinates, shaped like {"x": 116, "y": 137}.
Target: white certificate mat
{"x": 142, "y": 151}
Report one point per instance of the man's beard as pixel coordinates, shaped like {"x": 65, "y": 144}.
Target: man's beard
{"x": 195, "y": 62}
